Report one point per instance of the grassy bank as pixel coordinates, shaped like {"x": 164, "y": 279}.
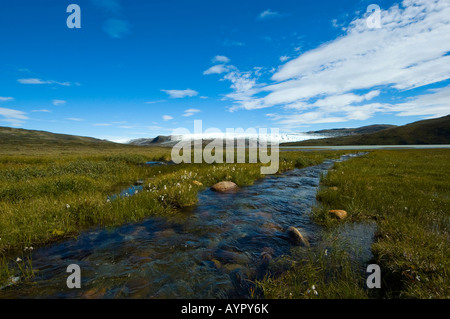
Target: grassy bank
{"x": 407, "y": 194}
{"x": 48, "y": 196}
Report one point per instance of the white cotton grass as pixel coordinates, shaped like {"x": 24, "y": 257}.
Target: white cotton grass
{"x": 312, "y": 290}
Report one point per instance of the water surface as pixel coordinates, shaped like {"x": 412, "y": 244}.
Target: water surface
{"x": 210, "y": 250}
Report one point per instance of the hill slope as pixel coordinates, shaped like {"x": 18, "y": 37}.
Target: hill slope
{"x": 434, "y": 131}
{"x": 351, "y": 131}
{"x": 16, "y": 136}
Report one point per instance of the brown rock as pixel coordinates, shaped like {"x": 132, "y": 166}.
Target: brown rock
{"x": 297, "y": 237}
{"x": 338, "y": 213}
{"x": 265, "y": 257}
{"x": 225, "y": 186}
{"x": 266, "y": 254}
{"x": 96, "y": 293}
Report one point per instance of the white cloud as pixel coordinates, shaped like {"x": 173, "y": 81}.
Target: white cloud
{"x": 221, "y": 59}
{"x": 337, "y": 102}
{"x": 39, "y": 82}
{"x": 284, "y": 58}
{"x": 436, "y": 103}
{"x": 219, "y": 68}
{"x": 216, "y": 69}
{"x": 41, "y": 111}
{"x": 191, "y": 112}
{"x": 269, "y": 14}
{"x": 154, "y": 102}
{"x": 177, "y": 94}
{"x": 14, "y": 117}
{"x": 244, "y": 85}
{"x": 233, "y": 43}
{"x": 167, "y": 117}
{"x": 59, "y": 102}
{"x": 76, "y": 119}
{"x": 334, "y": 81}
{"x": 4, "y": 99}
{"x": 33, "y": 81}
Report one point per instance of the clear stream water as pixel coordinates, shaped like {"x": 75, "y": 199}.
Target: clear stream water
{"x": 210, "y": 250}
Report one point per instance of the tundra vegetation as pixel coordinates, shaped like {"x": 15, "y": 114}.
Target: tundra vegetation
{"x": 51, "y": 193}
{"x": 407, "y": 194}
{"x": 54, "y": 192}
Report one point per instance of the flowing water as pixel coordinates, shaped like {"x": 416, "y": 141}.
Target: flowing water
{"x": 211, "y": 250}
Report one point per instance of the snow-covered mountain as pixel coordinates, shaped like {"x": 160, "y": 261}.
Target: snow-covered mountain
{"x": 265, "y": 138}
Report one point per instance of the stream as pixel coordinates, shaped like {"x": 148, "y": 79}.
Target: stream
{"x": 211, "y": 250}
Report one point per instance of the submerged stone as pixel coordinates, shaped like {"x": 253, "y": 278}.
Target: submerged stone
{"x": 297, "y": 237}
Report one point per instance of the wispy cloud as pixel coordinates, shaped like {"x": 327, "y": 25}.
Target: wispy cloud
{"x": 116, "y": 28}
{"x": 42, "y": 111}
{"x": 112, "y": 6}
{"x": 58, "y": 102}
{"x": 233, "y": 43}
{"x": 167, "y": 117}
{"x": 435, "y": 103}
{"x": 269, "y": 14}
{"x": 219, "y": 68}
{"x": 154, "y": 102}
{"x": 35, "y": 81}
{"x": 178, "y": 94}
{"x": 191, "y": 112}
{"x": 331, "y": 83}
{"x": 220, "y": 59}
{"x": 76, "y": 119}
{"x": 4, "y": 99}
{"x": 14, "y": 117}
{"x": 216, "y": 69}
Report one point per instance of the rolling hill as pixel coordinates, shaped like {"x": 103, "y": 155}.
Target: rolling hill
{"x": 16, "y": 136}
{"x": 434, "y": 131}
{"x": 351, "y": 131}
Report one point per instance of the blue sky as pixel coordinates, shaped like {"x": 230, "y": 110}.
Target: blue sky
{"x": 143, "y": 68}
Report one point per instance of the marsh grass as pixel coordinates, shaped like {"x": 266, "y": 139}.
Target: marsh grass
{"x": 407, "y": 193}
{"x": 48, "y": 195}
{"x": 320, "y": 272}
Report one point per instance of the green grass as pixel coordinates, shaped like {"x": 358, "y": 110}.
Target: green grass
{"x": 407, "y": 193}
{"x": 50, "y": 194}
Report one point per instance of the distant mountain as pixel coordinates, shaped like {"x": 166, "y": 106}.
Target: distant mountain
{"x": 352, "y": 131}
{"x": 207, "y": 138}
{"x": 17, "y": 136}
{"x": 434, "y": 131}
{"x": 161, "y": 139}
